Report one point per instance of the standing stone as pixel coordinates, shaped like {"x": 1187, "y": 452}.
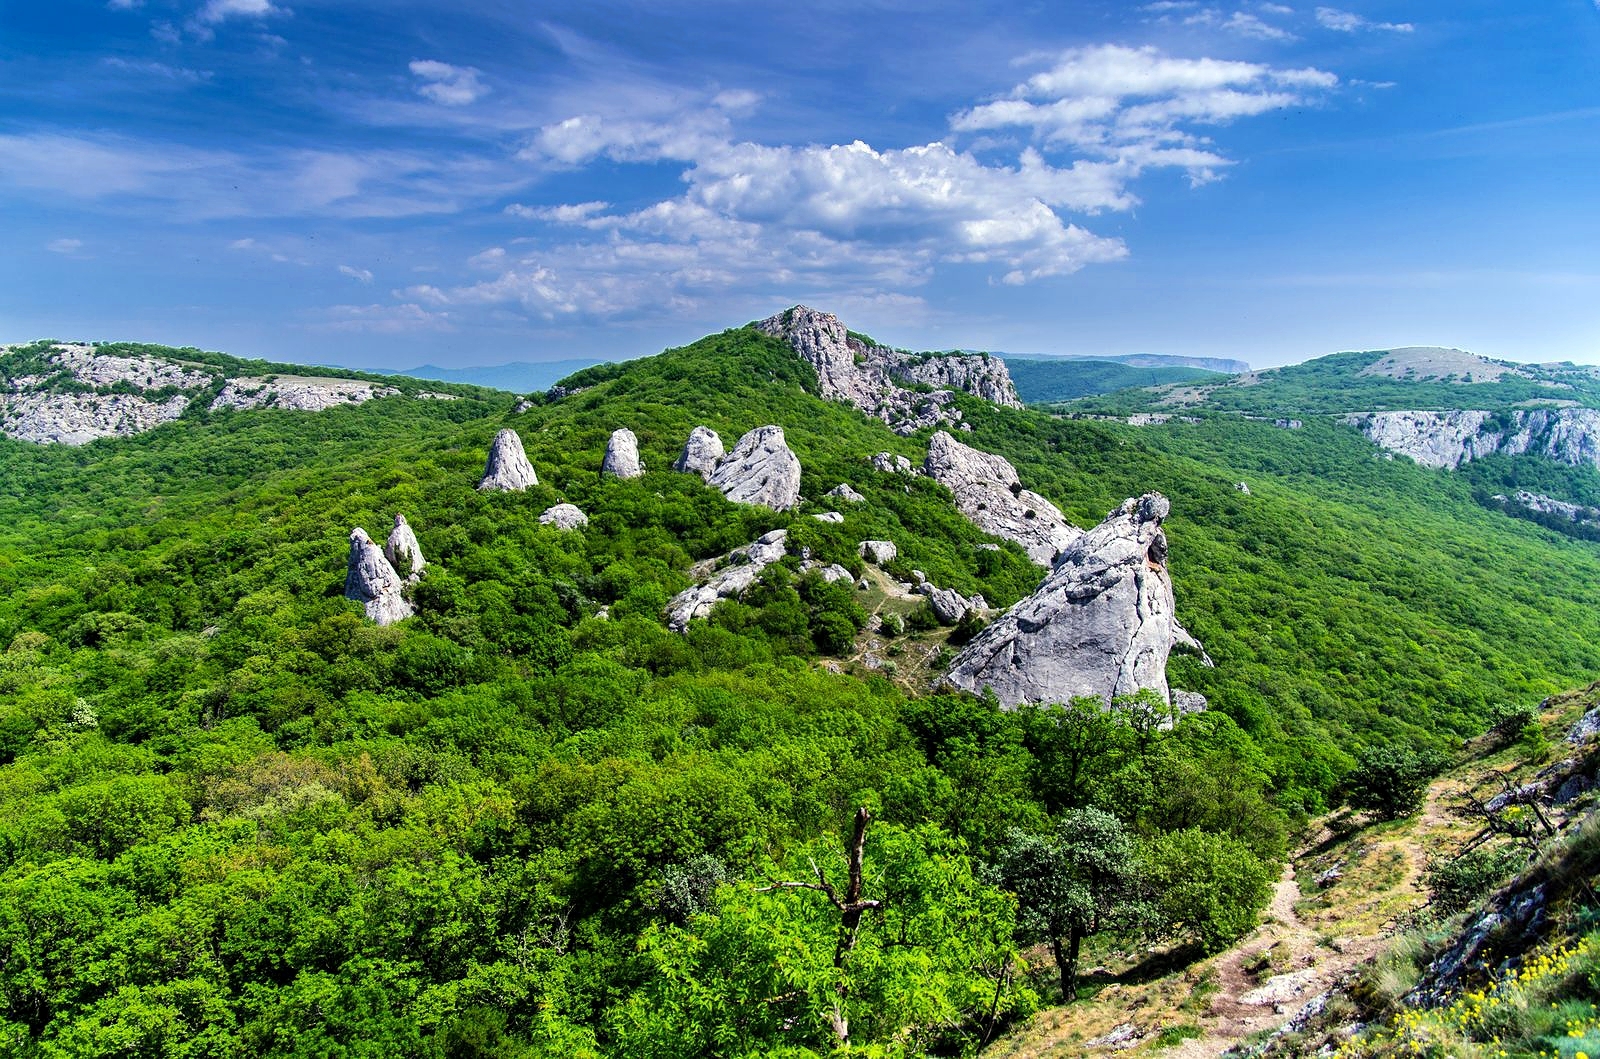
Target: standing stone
{"x": 371, "y": 581}
{"x": 700, "y": 453}
{"x": 564, "y": 517}
{"x": 403, "y": 551}
{"x": 622, "y": 455}
{"x": 1101, "y": 624}
{"x": 508, "y": 469}
{"x": 761, "y": 469}
{"x": 989, "y": 493}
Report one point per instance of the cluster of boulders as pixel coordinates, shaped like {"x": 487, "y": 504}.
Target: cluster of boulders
{"x": 374, "y": 576}
{"x": 725, "y": 577}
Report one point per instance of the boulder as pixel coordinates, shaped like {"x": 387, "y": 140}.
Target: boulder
{"x": 403, "y": 551}
{"x": 1586, "y": 728}
{"x": 700, "y": 453}
{"x": 372, "y": 582}
{"x": 830, "y": 572}
{"x": 1243, "y": 488}
{"x": 622, "y": 455}
{"x": 828, "y": 516}
{"x": 889, "y": 463}
{"x": 761, "y": 469}
{"x": 507, "y": 469}
{"x": 879, "y": 552}
{"x": 1102, "y": 623}
{"x": 564, "y": 517}
{"x": 729, "y": 576}
{"x": 949, "y": 606}
{"x": 842, "y": 491}
{"x": 989, "y": 493}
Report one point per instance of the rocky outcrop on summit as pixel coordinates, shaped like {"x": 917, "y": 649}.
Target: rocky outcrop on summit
{"x": 701, "y": 453}
{"x": 79, "y": 418}
{"x": 507, "y": 469}
{"x": 298, "y": 394}
{"x": 989, "y": 493}
{"x": 727, "y": 578}
{"x": 870, "y": 376}
{"x": 622, "y": 456}
{"x": 372, "y": 582}
{"x": 1101, "y": 624}
{"x": 564, "y": 517}
{"x": 761, "y": 469}
{"x": 403, "y": 551}
{"x": 1449, "y": 439}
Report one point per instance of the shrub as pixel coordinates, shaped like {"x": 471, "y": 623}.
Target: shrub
{"x": 1390, "y": 781}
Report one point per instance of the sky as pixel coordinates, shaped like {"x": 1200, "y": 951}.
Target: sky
{"x": 385, "y": 183}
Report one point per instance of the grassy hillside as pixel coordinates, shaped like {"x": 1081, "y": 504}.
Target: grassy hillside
{"x": 1042, "y": 381}
{"x": 236, "y": 819}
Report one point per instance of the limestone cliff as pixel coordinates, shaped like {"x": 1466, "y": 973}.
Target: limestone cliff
{"x": 989, "y": 493}
{"x": 1451, "y": 438}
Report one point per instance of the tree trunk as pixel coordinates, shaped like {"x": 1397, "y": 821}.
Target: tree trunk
{"x": 1067, "y": 962}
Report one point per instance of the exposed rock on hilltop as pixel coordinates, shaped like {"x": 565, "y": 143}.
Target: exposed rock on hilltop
{"x": 1449, "y": 439}
{"x": 403, "y": 551}
{"x": 701, "y": 453}
{"x": 735, "y": 572}
{"x": 761, "y": 469}
{"x": 79, "y": 418}
{"x": 622, "y": 455}
{"x": 298, "y": 394}
{"x": 507, "y": 469}
{"x": 371, "y": 581}
{"x": 1101, "y": 624}
{"x": 870, "y": 376}
{"x": 989, "y": 493}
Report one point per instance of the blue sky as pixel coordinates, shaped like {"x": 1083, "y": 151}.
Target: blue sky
{"x": 388, "y": 183}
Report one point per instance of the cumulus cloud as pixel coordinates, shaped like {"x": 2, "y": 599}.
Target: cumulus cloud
{"x": 1348, "y": 22}
{"x": 361, "y": 274}
{"x": 450, "y": 86}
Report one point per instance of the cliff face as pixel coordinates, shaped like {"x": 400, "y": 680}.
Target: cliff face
{"x": 989, "y": 493}
{"x": 875, "y": 378}
{"x": 1449, "y": 439}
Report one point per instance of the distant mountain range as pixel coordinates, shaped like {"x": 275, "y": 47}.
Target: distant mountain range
{"x": 518, "y": 377}
{"x": 1225, "y": 365}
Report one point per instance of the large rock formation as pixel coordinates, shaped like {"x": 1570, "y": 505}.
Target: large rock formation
{"x": 372, "y": 582}
{"x": 869, "y": 376}
{"x": 301, "y": 394}
{"x": 1449, "y": 439}
{"x": 564, "y": 517}
{"x": 701, "y": 453}
{"x": 79, "y": 418}
{"x": 403, "y": 551}
{"x": 726, "y": 577}
{"x": 507, "y": 469}
{"x": 1101, "y": 624}
{"x": 761, "y": 469}
{"x": 989, "y": 493}
{"x": 622, "y": 456}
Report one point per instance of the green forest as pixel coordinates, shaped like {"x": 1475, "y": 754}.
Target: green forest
{"x": 237, "y": 819}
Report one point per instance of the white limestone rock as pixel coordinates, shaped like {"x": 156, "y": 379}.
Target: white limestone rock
{"x": 761, "y": 469}
{"x": 726, "y": 577}
{"x": 622, "y": 456}
{"x": 297, "y": 394}
{"x": 507, "y": 469}
{"x": 372, "y": 582}
{"x": 879, "y": 552}
{"x": 564, "y": 517}
{"x": 1101, "y": 624}
{"x": 950, "y": 606}
{"x": 828, "y": 516}
{"x": 830, "y": 572}
{"x": 79, "y": 418}
{"x": 889, "y": 463}
{"x": 1449, "y": 439}
{"x": 701, "y": 453}
{"x": 403, "y": 551}
{"x": 989, "y": 493}
{"x": 842, "y": 491}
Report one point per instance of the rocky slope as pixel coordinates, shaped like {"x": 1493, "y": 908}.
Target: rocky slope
{"x": 725, "y": 577}
{"x": 1450, "y": 438}
{"x": 1101, "y": 624}
{"x": 989, "y": 493}
{"x": 875, "y": 378}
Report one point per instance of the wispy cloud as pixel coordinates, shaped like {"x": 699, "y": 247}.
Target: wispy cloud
{"x": 1239, "y": 23}
{"x": 364, "y": 275}
{"x": 64, "y": 246}
{"x": 1348, "y": 22}
{"x": 451, "y": 86}
{"x": 157, "y": 71}
{"x": 380, "y": 319}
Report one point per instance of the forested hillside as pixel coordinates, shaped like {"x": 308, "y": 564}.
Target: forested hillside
{"x": 238, "y": 819}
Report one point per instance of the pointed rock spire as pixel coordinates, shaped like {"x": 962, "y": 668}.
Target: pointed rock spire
{"x": 700, "y": 453}
{"x": 403, "y": 551}
{"x": 761, "y": 469}
{"x": 507, "y": 469}
{"x": 622, "y": 455}
{"x": 372, "y": 582}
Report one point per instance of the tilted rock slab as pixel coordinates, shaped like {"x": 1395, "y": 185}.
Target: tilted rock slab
{"x": 372, "y": 582}
{"x": 507, "y": 469}
{"x": 564, "y": 517}
{"x": 403, "y": 551}
{"x": 989, "y": 493}
{"x": 761, "y": 469}
{"x": 1101, "y": 624}
{"x": 701, "y": 453}
{"x": 734, "y": 573}
{"x": 622, "y": 456}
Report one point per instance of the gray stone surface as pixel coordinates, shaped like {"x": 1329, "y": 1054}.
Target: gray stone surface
{"x": 564, "y": 517}
{"x": 79, "y": 418}
{"x": 507, "y": 469}
{"x": 1101, "y": 624}
{"x": 828, "y": 516}
{"x": 1243, "y": 487}
{"x": 701, "y": 453}
{"x": 622, "y": 455}
{"x": 879, "y": 552}
{"x": 372, "y": 582}
{"x": 761, "y": 469}
{"x": 297, "y": 394}
{"x": 403, "y": 551}
{"x": 990, "y": 495}
{"x": 1586, "y": 728}
{"x": 1449, "y": 439}
{"x": 950, "y": 606}
{"x": 889, "y": 463}
{"x": 726, "y": 577}
{"x": 842, "y": 491}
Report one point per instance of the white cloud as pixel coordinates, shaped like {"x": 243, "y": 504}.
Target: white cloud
{"x": 64, "y": 246}
{"x": 451, "y": 86}
{"x": 216, "y": 11}
{"x": 565, "y": 214}
{"x": 1347, "y": 22}
{"x": 123, "y": 5}
{"x": 157, "y": 70}
{"x": 1239, "y": 23}
{"x": 361, "y": 274}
